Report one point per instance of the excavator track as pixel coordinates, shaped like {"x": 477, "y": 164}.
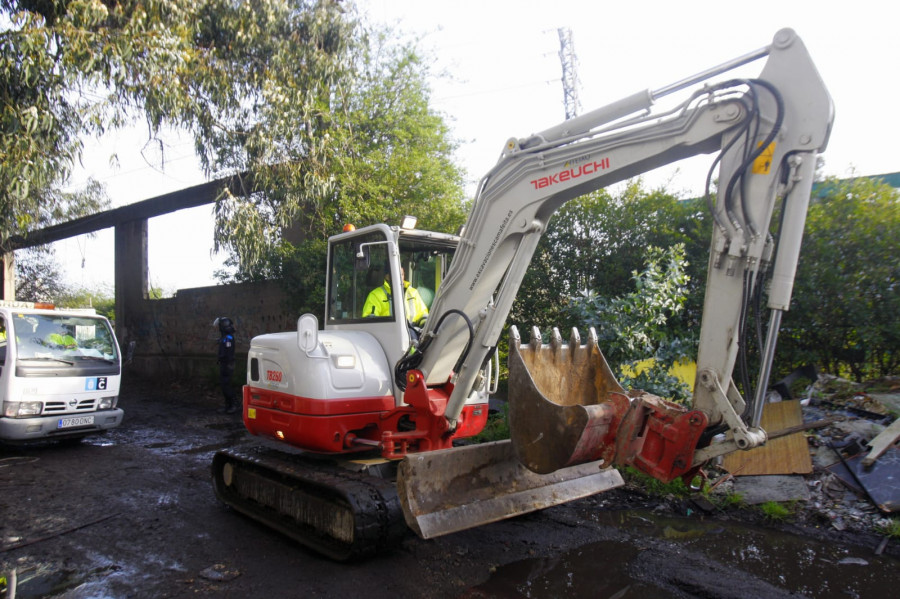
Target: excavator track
{"x": 340, "y": 513}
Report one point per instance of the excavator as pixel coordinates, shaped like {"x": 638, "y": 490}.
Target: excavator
{"x": 362, "y": 423}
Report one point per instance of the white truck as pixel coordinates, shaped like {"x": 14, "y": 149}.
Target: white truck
{"x": 60, "y": 372}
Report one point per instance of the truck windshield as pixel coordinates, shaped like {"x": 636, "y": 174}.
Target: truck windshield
{"x": 63, "y": 338}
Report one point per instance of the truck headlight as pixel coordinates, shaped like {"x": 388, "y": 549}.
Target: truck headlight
{"x": 21, "y": 409}
{"x": 107, "y": 403}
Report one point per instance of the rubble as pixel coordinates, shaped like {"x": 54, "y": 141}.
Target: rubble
{"x": 833, "y": 498}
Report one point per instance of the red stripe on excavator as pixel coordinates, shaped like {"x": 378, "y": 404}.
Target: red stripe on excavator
{"x": 294, "y": 404}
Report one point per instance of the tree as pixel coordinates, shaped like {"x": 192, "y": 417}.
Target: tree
{"x": 224, "y": 70}
{"x": 634, "y": 328}
{"x": 99, "y": 298}
{"x": 71, "y": 68}
{"x": 598, "y": 241}
{"x": 297, "y": 97}
{"x": 38, "y": 276}
{"x": 846, "y": 299}
{"x": 396, "y": 160}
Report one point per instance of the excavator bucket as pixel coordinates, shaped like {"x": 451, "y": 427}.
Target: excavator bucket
{"x": 553, "y": 457}
{"x": 568, "y": 408}
{"x": 565, "y": 403}
{"x": 450, "y": 490}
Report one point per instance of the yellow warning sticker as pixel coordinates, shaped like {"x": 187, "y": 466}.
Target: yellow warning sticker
{"x": 763, "y": 163}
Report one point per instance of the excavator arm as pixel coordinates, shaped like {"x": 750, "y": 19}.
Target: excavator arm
{"x": 767, "y": 132}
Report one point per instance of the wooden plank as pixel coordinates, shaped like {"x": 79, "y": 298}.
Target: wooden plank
{"x": 880, "y": 444}
{"x": 783, "y": 455}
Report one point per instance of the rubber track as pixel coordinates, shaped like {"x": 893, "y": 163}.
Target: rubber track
{"x": 342, "y": 514}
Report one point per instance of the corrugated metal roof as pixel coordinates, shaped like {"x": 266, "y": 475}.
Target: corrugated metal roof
{"x": 823, "y": 189}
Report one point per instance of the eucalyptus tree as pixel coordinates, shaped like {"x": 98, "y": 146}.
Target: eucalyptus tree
{"x": 297, "y": 97}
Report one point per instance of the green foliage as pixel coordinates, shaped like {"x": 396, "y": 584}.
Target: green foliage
{"x": 368, "y": 149}
{"x": 497, "y": 427}
{"x": 654, "y": 487}
{"x": 776, "y": 512}
{"x": 396, "y": 161}
{"x": 843, "y": 315}
{"x": 324, "y": 119}
{"x": 634, "y": 327}
{"x": 102, "y": 300}
{"x": 38, "y": 276}
{"x": 728, "y": 500}
{"x": 598, "y": 241}
{"x": 891, "y": 529}
{"x": 587, "y": 260}
{"x": 303, "y": 276}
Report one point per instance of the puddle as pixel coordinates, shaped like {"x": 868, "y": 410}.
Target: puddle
{"x": 161, "y": 445}
{"x": 105, "y": 579}
{"x": 597, "y": 570}
{"x": 208, "y": 448}
{"x": 226, "y": 426}
{"x": 98, "y": 442}
{"x": 793, "y": 564}
{"x": 45, "y": 581}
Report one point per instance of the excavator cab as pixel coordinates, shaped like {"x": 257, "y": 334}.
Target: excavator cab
{"x": 362, "y": 266}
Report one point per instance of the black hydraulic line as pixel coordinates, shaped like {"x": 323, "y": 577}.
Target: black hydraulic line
{"x": 414, "y": 357}
{"x": 757, "y": 152}
{"x": 738, "y": 174}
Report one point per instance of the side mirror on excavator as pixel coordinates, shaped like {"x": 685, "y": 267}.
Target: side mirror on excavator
{"x": 307, "y": 333}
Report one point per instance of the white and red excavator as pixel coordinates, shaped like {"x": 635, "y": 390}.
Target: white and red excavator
{"x": 361, "y": 418}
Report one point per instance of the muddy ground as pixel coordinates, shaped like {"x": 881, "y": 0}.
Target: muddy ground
{"x": 132, "y": 514}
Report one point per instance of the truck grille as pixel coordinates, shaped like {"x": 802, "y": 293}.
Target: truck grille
{"x": 60, "y": 407}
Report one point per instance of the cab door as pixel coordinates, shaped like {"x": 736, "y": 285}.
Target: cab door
{"x": 358, "y": 263}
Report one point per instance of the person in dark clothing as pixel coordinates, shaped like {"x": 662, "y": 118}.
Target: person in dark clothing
{"x": 226, "y": 364}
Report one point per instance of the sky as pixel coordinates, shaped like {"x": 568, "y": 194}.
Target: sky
{"x": 500, "y": 77}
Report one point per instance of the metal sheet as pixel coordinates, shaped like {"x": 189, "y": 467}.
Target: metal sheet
{"x": 880, "y": 482}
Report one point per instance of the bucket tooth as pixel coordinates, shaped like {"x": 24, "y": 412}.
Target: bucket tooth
{"x": 565, "y": 404}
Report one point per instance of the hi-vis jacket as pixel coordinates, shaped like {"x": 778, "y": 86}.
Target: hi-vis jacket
{"x": 378, "y": 303}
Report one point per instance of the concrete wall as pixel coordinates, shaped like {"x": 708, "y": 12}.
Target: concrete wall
{"x": 174, "y": 337}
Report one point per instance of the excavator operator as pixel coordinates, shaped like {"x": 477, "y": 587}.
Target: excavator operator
{"x": 378, "y": 303}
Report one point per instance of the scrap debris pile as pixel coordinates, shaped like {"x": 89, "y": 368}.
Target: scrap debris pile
{"x": 842, "y": 472}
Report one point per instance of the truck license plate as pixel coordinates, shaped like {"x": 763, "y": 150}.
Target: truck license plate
{"x": 75, "y": 421}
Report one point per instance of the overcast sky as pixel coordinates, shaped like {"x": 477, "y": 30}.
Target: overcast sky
{"x": 502, "y": 79}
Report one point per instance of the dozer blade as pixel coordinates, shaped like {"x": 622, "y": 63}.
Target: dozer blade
{"x": 450, "y": 490}
{"x": 565, "y": 404}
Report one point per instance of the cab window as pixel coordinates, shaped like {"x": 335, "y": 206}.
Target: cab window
{"x": 358, "y": 267}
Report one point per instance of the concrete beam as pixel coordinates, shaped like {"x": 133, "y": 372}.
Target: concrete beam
{"x": 191, "y": 197}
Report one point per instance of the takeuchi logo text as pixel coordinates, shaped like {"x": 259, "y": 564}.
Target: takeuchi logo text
{"x": 582, "y": 170}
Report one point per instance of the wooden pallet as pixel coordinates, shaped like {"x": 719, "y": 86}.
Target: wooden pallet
{"x": 784, "y": 455}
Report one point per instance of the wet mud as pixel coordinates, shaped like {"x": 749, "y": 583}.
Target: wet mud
{"x": 133, "y": 514}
